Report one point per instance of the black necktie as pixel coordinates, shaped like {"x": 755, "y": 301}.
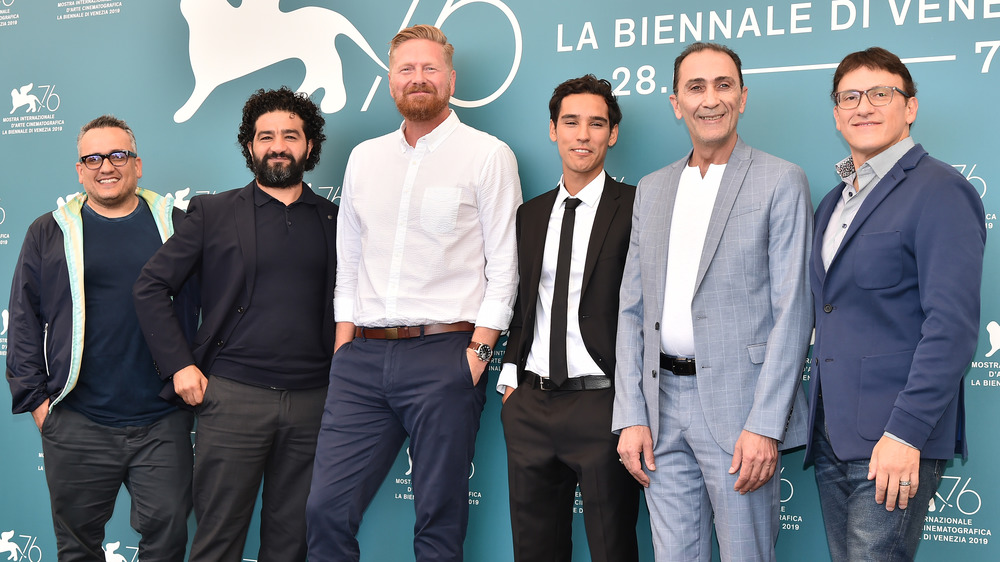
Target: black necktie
{"x": 558, "y": 372}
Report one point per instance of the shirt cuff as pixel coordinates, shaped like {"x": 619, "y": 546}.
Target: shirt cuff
{"x": 508, "y": 377}
{"x": 897, "y": 439}
{"x": 343, "y": 308}
{"x": 494, "y": 315}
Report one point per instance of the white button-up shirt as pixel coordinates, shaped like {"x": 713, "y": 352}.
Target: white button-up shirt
{"x": 426, "y": 233}
{"x": 578, "y": 360}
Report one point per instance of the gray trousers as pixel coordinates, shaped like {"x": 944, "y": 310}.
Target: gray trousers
{"x": 247, "y": 434}
{"x": 86, "y": 464}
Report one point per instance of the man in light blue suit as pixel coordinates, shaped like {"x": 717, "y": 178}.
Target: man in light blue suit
{"x": 714, "y": 326}
{"x": 896, "y": 272}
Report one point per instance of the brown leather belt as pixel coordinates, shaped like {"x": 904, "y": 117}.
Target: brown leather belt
{"x": 406, "y": 332}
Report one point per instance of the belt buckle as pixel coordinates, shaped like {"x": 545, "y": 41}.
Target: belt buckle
{"x": 392, "y": 333}
{"x": 546, "y": 384}
{"x": 684, "y": 367}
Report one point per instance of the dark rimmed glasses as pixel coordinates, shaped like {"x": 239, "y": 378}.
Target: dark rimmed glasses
{"x": 877, "y": 96}
{"x": 117, "y": 158}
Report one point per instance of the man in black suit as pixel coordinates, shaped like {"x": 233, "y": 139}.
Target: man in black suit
{"x": 557, "y": 378}
{"x": 266, "y": 258}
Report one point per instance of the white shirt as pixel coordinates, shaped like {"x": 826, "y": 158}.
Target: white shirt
{"x": 688, "y": 228}
{"x": 578, "y": 360}
{"x": 426, "y": 234}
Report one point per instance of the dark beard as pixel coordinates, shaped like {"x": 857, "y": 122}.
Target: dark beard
{"x": 421, "y": 110}
{"x": 278, "y": 175}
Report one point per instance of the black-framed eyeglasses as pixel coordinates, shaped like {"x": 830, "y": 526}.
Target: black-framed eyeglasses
{"x": 117, "y": 158}
{"x": 877, "y": 96}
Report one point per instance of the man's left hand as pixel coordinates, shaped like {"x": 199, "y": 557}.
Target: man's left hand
{"x": 755, "y": 457}
{"x": 893, "y": 462}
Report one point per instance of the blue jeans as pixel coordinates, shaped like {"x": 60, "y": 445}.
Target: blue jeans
{"x": 857, "y": 528}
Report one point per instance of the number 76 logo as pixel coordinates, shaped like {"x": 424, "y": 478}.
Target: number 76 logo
{"x": 967, "y": 500}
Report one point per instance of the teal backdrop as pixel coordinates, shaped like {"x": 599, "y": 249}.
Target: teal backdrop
{"x": 179, "y": 71}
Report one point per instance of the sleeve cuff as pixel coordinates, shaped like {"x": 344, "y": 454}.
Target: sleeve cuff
{"x": 508, "y": 377}
{"x": 494, "y": 315}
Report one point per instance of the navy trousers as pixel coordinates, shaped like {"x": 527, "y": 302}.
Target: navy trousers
{"x": 380, "y": 392}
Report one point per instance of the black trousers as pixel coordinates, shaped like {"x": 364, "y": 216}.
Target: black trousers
{"x": 86, "y": 464}
{"x": 556, "y": 439}
{"x": 246, "y": 434}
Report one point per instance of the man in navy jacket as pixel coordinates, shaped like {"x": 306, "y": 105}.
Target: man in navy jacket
{"x": 896, "y": 270}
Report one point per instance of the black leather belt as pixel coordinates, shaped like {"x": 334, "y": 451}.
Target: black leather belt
{"x": 680, "y": 366}
{"x": 406, "y": 332}
{"x": 591, "y": 382}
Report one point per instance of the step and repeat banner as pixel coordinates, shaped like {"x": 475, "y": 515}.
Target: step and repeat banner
{"x": 179, "y": 71}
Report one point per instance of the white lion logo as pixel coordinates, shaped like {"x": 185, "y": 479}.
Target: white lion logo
{"x": 6, "y": 546}
{"x": 994, "y": 331}
{"x": 110, "y": 555}
{"x": 218, "y": 57}
{"x": 19, "y": 97}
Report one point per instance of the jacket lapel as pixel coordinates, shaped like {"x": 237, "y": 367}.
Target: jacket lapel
{"x": 607, "y": 208}
{"x": 246, "y": 232}
{"x": 880, "y": 191}
{"x": 656, "y": 237}
{"x": 729, "y": 188}
{"x": 534, "y": 230}
{"x": 823, "y": 214}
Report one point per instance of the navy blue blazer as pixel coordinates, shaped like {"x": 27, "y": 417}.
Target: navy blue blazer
{"x": 897, "y": 312}
{"x": 217, "y": 240}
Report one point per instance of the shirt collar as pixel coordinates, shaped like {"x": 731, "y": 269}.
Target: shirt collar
{"x": 590, "y": 195}
{"x": 433, "y": 139}
{"x": 881, "y": 163}
{"x": 260, "y": 197}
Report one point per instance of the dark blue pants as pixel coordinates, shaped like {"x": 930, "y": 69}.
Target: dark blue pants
{"x": 380, "y": 392}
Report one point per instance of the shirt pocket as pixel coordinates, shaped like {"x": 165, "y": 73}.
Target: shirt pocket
{"x": 878, "y": 260}
{"x": 439, "y": 209}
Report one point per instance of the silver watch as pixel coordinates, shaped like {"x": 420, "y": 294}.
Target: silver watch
{"x": 483, "y": 351}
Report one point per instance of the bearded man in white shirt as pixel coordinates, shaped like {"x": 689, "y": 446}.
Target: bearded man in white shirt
{"x": 426, "y": 281}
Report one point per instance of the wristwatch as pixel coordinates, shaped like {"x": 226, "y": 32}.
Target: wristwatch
{"x": 483, "y": 351}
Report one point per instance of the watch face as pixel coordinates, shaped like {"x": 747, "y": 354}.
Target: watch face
{"x": 483, "y": 352}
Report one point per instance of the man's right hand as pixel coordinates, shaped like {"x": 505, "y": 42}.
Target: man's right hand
{"x": 40, "y": 413}
{"x": 634, "y": 444}
{"x": 190, "y": 384}
{"x": 506, "y": 394}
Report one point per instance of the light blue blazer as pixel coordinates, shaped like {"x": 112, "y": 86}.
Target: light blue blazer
{"x": 752, "y": 308}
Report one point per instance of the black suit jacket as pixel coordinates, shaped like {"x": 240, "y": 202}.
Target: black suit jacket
{"x": 217, "y": 240}
{"x": 602, "y": 274}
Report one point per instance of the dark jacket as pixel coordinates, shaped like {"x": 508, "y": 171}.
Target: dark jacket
{"x": 47, "y": 304}
{"x": 602, "y": 274}
{"x": 218, "y": 239}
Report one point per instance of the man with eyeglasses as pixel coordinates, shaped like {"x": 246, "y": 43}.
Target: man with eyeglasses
{"x": 896, "y": 268}
{"x": 76, "y": 358}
